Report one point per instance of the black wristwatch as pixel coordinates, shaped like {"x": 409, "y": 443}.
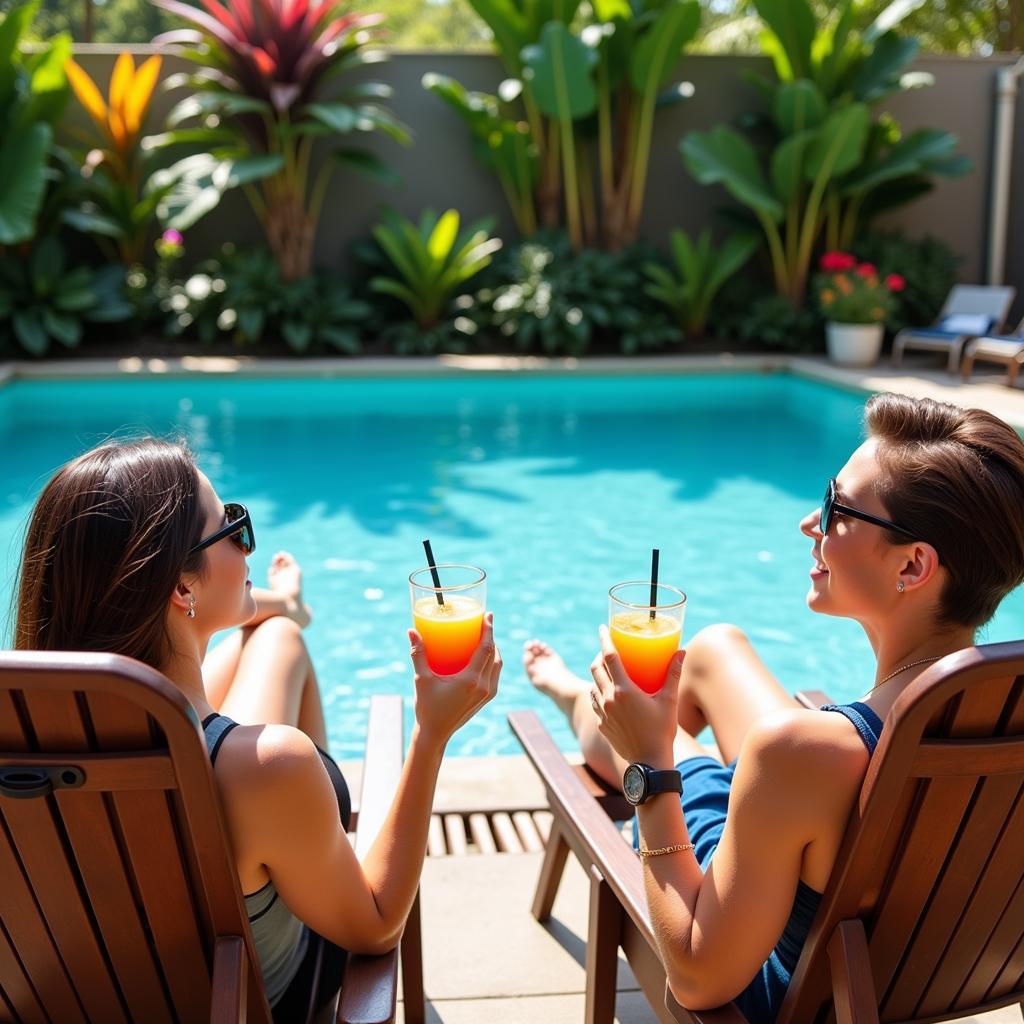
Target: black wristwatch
{"x": 640, "y": 782}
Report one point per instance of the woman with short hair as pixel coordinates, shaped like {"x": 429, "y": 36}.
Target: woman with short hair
{"x": 919, "y": 538}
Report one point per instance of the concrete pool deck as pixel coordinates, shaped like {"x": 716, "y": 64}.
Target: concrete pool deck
{"x": 485, "y": 957}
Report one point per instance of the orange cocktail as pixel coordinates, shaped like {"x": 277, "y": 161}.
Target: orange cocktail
{"x": 451, "y": 626}
{"x": 646, "y": 641}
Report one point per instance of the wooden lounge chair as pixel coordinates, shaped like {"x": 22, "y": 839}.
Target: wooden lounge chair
{"x": 1007, "y": 349}
{"x": 969, "y": 311}
{"x": 119, "y": 898}
{"x": 923, "y": 917}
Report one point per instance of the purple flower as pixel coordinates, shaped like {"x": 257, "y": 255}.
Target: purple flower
{"x": 172, "y": 237}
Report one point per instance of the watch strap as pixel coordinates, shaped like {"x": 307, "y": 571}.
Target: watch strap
{"x": 665, "y": 780}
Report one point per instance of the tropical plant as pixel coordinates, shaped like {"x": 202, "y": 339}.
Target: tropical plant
{"x": 541, "y": 296}
{"x": 240, "y": 295}
{"x": 42, "y": 300}
{"x": 853, "y": 292}
{"x": 826, "y": 161}
{"x": 700, "y": 270}
{"x": 568, "y": 92}
{"x": 258, "y": 103}
{"x": 33, "y": 91}
{"x": 431, "y": 260}
{"x": 118, "y": 197}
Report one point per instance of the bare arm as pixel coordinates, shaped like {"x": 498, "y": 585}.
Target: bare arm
{"x": 715, "y": 930}
{"x": 360, "y": 906}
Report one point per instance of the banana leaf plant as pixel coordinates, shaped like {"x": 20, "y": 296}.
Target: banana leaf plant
{"x": 431, "y": 260}
{"x": 33, "y": 92}
{"x": 569, "y": 92}
{"x": 698, "y": 273}
{"x": 826, "y": 160}
{"x": 265, "y": 90}
{"x": 118, "y": 198}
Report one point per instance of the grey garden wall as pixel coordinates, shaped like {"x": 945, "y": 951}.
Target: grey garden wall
{"x": 438, "y": 170}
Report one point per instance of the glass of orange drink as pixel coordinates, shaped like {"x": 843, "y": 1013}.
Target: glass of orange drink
{"x": 449, "y": 617}
{"x": 646, "y": 625}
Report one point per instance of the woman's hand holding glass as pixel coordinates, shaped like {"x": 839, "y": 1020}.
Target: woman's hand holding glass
{"x": 640, "y": 726}
{"x": 445, "y": 703}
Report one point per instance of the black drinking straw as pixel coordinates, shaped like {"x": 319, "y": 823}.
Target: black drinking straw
{"x": 654, "y": 580}
{"x": 433, "y": 572}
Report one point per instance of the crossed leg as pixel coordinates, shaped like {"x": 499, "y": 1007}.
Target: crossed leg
{"x": 724, "y": 684}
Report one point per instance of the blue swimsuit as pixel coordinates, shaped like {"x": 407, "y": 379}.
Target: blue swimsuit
{"x": 706, "y": 785}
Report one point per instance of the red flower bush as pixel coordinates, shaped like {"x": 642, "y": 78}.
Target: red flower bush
{"x": 859, "y": 297}
{"x": 836, "y": 262}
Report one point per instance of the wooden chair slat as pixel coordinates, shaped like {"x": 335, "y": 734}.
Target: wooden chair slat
{"x": 152, "y": 850}
{"x": 27, "y": 930}
{"x": 938, "y": 758}
{"x": 34, "y": 831}
{"x": 952, "y": 896}
{"x": 17, "y": 996}
{"x": 898, "y": 931}
{"x": 942, "y": 804}
{"x": 1008, "y": 934}
{"x": 988, "y": 925}
{"x": 61, "y": 725}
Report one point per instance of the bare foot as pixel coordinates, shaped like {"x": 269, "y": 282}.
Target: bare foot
{"x": 546, "y": 670}
{"x": 285, "y": 578}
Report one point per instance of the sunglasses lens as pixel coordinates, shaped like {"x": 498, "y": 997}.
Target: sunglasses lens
{"x": 826, "y": 508}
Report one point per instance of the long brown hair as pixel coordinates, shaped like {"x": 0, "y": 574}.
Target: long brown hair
{"x": 955, "y": 477}
{"x": 107, "y": 543}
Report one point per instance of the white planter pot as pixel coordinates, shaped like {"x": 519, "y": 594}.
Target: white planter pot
{"x": 854, "y": 344}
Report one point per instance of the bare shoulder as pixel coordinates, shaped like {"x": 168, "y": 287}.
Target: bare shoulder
{"x": 815, "y": 754}
{"x": 259, "y": 761}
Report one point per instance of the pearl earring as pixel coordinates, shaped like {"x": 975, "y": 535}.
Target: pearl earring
{"x": 901, "y": 586}
{"x": 191, "y": 613}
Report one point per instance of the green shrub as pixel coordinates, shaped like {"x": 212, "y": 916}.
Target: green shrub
{"x": 540, "y": 296}
{"x": 928, "y": 266}
{"x": 241, "y": 295}
{"x": 750, "y": 315}
{"x": 42, "y": 300}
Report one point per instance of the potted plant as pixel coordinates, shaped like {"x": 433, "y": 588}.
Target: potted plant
{"x": 856, "y": 302}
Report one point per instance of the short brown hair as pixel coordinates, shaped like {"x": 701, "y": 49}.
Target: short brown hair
{"x": 955, "y": 477}
{"x": 107, "y": 543}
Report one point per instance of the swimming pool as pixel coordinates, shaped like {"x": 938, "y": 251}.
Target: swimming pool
{"x": 558, "y": 486}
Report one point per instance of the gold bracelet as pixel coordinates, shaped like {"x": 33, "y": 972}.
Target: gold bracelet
{"x": 666, "y": 849}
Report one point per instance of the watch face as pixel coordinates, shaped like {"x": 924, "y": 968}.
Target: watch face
{"x": 633, "y": 784}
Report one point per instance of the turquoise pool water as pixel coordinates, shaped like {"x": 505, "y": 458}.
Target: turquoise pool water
{"x": 557, "y": 486}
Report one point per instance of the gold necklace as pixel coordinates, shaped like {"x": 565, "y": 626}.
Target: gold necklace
{"x": 903, "y": 668}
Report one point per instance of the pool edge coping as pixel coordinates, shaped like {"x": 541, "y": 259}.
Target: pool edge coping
{"x": 1008, "y": 404}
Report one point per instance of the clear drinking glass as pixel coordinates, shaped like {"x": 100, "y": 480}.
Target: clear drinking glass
{"x": 450, "y": 617}
{"x": 646, "y": 632}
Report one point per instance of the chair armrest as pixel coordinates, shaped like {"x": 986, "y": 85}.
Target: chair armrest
{"x": 230, "y": 980}
{"x": 588, "y": 830}
{"x": 369, "y": 988}
{"x": 853, "y": 986}
{"x": 813, "y": 699}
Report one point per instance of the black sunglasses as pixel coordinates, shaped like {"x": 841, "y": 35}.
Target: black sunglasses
{"x": 829, "y": 506}
{"x": 239, "y": 529}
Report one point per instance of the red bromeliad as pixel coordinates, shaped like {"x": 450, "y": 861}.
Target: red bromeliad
{"x": 259, "y": 102}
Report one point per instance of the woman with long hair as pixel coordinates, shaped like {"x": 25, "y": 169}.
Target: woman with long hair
{"x": 130, "y": 550}
{"x": 918, "y": 539}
